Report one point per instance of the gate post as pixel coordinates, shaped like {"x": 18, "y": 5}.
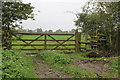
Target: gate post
{"x": 7, "y": 39}
{"x": 45, "y": 42}
{"x": 77, "y": 41}
{"x": 10, "y": 43}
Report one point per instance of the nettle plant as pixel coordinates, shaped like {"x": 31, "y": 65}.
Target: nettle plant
{"x": 16, "y": 65}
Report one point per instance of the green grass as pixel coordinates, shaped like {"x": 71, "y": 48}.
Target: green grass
{"x": 54, "y": 57}
{"x": 79, "y": 73}
{"x": 75, "y": 72}
{"x": 114, "y": 66}
{"x": 113, "y": 70}
{"x": 62, "y": 62}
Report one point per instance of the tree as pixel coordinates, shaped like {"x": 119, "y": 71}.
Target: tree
{"x": 12, "y": 15}
{"x": 22, "y": 30}
{"x": 39, "y": 30}
{"x": 45, "y": 31}
{"x": 72, "y": 31}
{"x": 58, "y": 31}
{"x": 50, "y": 31}
{"x": 101, "y": 17}
{"x": 65, "y": 32}
{"x": 30, "y": 31}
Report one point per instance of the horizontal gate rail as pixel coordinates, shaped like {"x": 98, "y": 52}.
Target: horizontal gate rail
{"x": 41, "y": 34}
{"x": 38, "y": 40}
{"x": 43, "y": 45}
{"x": 46, "y": 49}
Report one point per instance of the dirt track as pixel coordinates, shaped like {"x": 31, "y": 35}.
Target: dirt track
{"x": 99, "y": 67}
{"x": 46, "y": 71}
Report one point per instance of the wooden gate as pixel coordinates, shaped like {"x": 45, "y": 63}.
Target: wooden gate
{"x": 69, "y": 42}
{"x": 45, "y": 41}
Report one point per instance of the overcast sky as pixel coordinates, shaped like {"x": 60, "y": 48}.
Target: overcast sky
{"x": 54, "y": 14}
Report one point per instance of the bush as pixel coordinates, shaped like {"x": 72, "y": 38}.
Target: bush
{"x": 16, "y": 65}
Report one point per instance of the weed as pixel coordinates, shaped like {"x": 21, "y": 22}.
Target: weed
{"x": 16, "y": 65}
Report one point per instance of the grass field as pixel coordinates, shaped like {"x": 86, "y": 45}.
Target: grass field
{"x": 57, "y": 37}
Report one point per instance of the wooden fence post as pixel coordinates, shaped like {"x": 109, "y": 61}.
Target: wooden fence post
{"x": 10, "y": 43}
{"x": 7, "y": 40}
{"x": 86, "y": 38}
{"x": 45, "y": 42}
{"x": 77, "y": 40}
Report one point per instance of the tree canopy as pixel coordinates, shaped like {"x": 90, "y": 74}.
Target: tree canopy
{"x": 12, "y": 15}
{"x": 14, "y": 12}
{"x": 101, "y": 17}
